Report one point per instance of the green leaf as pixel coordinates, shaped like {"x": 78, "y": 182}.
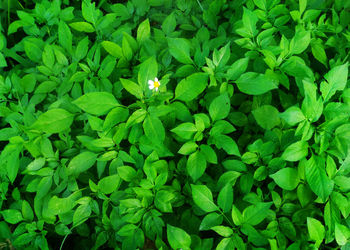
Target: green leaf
{"x": 27, "y": 211}
{"x": 237, "y": 68}
{"x": 154, "y": 128}
{"x": 132, "y": 88}
{"x": 336, "y": 80}
{"x": 12, "y": 216}
{"x": 112, "y": 48}
{"x": 236, "y": 215}
{"x": 81, "y": 214}
{"x": 188, "y": 148}
{"x": 82, "y": 27}
{"x": 255, "y": 214}
{"x": 178, "y": 238}
{"x": 65, "y": 36}
{"x": 300, "y": 41}
{"x": 296, "y": 151}
{"x": 190, "y": 87}
{"x": 209, "y": 153}
{"x": 33, "y": 52}
{"x": 225, "y": 198}
{"x": 318, "y": 51}
{"x": 54, "y": 121}
{"x": 96, "y": 103}
{"x": 292, "y": 115}
{"x": 316, "y": 230}
{"x": 179, "y": 48}
{"x": 317, "y": 178}
{"x": 148, "y": 71}
{"x": 109, "y": 184}
{"x": 252, "y": 83}
{"x": 286, "y": 178}
{"x": 220, "y": 107}
{"x": 249, "y": 21}
{"x": 228, "y": 144}
{"x": 266, "y": 116}
{"x": 223, "y": 231}
{"x": 203, "y": 198}
{"x": 196, "y": 165}
{"x": 81, "y": 163}
{"x": 143, "y": 31}
{"x": 342, "y": 234}
{"x": 169, "y": 24}
{"x": 126, "y": 173}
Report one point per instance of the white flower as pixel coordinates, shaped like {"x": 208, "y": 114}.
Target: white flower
{"x": 154, "y": 84}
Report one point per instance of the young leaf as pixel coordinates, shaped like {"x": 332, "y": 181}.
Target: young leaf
{"x": 81, "y": 163}
{"x": 220, "y": 107}
{"x": 252, "y": 83}
{"x": 316, "y": 230}
{"x": 112, "y": 48}
{"x": 225, "y": 198}
{"x": 196, "y": 165}
{"x": 296, "y": 151}
{"x": 266, "y": 116}
{"x": 154, "y": 128}
{"x": 292, "y": 115}
{"x": 96, "y": 103}
{"x": 132, "y": 88}
{"x": 143, "y": 31}
{"x": 180, "y": 49}
{"x": 255, "y": 214}
{"x": 286, "y": 178}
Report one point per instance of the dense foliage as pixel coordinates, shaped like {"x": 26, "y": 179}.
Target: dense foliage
{"x": 244, "y": 142}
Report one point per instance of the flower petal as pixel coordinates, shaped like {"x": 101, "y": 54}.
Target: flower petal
{"x": 150, "y": 82}
{"x": 156, "y": 88}
{"x": 156, "y": 79}
{"x": 151, "y": 86}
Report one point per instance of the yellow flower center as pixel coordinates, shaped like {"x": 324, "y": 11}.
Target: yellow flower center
{"x": 156, "y": 84}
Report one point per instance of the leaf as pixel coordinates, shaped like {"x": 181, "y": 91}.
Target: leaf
{"x": 286, "y": 178}
{"x": 189, "y": 88}
{"x": 317, "y": 178}
{"x": 292, "y": 115}
{"x": 249, "y": 21}
{"x": 220, "y": 107}
{"x": 96, "y": 103}
{"x": 296, "y": 151}
{"x": 342, "y": 234}
{"x": 109, "y": 184}
{"x": 65, "y": 36}
{"x": 154, "y": 128}
{"x": 336, "y": 80}
{"x": 196, "y": 165}
{"x": 81, "y": 163}
{"x": 179, "y": 48}
{"x": 112, "y": 48}
{"x": 252, "y": 83}
{"x": 126, "y": 173}
{"x": 237, "y": 68}
{"x": 33, "y": 52}
{"x": 12, "y": 216}
{"x": 225, "y": 198}
{"x": 82, "y": 27}
{"x": 300, "y": 41}
{"x": 266, "y": 116}
{"x": 228, "y": 144}
{"x": 255, "y": 214}
{"x": 81, "y": 214}
{"x": 316, "y": 230}
{"x": 132, "y": 88}
{"x": 143, "y": 31}
{"x": 223, "y": 231}
{"x": 203, "y": 198}
{"x": 54, "y": 121}
{"x": 148, "y": 71}
{"x": 178, "y": 238}
{"x": 236, "y": 215}
{"x": 169, "y": 24}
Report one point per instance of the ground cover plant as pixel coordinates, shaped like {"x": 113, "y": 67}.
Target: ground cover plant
{"x": 160, "y": 124}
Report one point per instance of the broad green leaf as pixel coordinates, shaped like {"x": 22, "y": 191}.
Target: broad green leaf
{"x": 317, "y": 178}
{"x": 236, "y": 215}
{"x": 81, "y": 214}
{"x": 342, "y": 234}
{"x": 225, "y": 198}
{"x": 220, "y": 107}
{"x": 190, "y": 87}
{"x": 252, "y": 83}
{"x": 112, "y": 48}
{"x": 255, "y": 214}
{"x": 109, "y": 184}
{"x": 115, "y": 116}
{"x": 318, "y": 51}
{"x": 154, "y": 128}
{"x": 179, "y": 48}
{"x": 54, "y": 121}
{"x": 82, "y": 27}
{"x": 148, "y": 71}
{"x": 203, "y": 198}
{"x": 65, "y": 36}
{"x": 286, "y": 178}
{"x": 209, "y": 153}
{"x": 178, "y": 238}
{"x": 336, "y": 80}
{"x": 226, "y": 244}
{"x": 237, "y": 68}
{"x": 223, "y": 231}
{"x": 188, "y": 148}
{"x": 196, "y": 165}
{"x": 32, "y": 51}
{"x": 292, "y": 115}
{"x": 169, "y": 24}
{"x": 96, "y": 103}
{"x": 266, "y": 116}
{"x": 296, "y": 151}
{"x": 185, "y": 130}
{"x": 143, "y": 31}
{"x": 12, "y": 216}
{"x": 249, "y": 21}
{"x": 316, "y": 230}
{"x": 81, "y": 163}
{"x": 228, "y": 144}
{"x": 210, "y": 220}
{"x": 132, "y": 88}
{"x": 300, "y": 41}
{"x": 27, "y": 211}
{"x": 126, "y": 173}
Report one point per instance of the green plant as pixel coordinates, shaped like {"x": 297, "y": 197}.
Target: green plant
{"x": 160, "y": 124}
